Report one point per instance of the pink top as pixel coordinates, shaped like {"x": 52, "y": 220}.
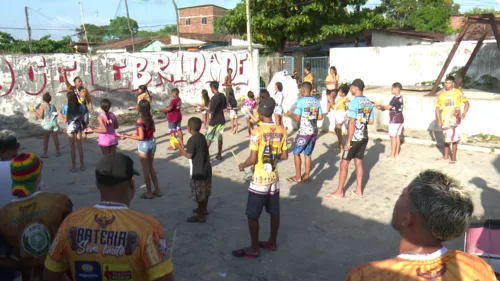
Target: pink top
{"x": 250, "y": 103}
{"x": 109, "y": 138}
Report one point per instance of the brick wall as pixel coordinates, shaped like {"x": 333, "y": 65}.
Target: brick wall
{"x": 457, "y": 21}
{"x": 195, "y": 15}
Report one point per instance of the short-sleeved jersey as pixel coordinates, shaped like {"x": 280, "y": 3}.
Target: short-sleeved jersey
{"x": 341, "y": 104}
{"x": 143, "y": 96}
{"x": 106, "y": 242}
{"x": 450, "y": 104}
{"x": 269, "y": 141}
{"x": 361, "y": 109}
{"x": 81, "y": 93}
{"x": 396, "y": 112}
{"x": 451, "y": 266}
{"x": 30, "y": 224}
{"x": 309, "y": 78}
{"x": 308, "y": 108}
{"x": 175, "y": 115}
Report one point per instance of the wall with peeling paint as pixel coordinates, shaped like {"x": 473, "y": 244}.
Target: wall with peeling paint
{"x": 24, "y": 78}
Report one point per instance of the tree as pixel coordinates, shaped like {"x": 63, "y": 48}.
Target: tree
{"x": 276, "y": 22}
{"x": 95, "y": 33}
{"x": 118, "y": 28}
{"x": 421, "y": 15}
{"x": 43, "y": 45}
{"x": 166, "y": 30}
{"x": 479, "y": 11}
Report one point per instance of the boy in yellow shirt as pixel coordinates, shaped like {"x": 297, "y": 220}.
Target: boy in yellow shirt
{"x": 340, "y": 108}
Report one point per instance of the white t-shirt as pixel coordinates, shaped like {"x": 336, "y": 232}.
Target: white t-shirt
{"x": 5, "y": 183}
{"x": 278, "y": 98}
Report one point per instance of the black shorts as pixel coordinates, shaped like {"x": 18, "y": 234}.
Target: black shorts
{"x": 257, "y": 202}
{"x": 357, "y": 150}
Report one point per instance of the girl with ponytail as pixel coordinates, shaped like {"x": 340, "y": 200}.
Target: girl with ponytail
{"x": 107, "y": 129}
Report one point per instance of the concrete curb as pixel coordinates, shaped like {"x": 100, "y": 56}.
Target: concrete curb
{"x": 431, "y": 142}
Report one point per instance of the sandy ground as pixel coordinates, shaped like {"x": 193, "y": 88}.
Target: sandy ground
{"x": 318, "y": 240}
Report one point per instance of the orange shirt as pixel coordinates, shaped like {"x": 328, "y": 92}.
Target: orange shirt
{"x": 30, "y": 224}
{"x": 451, "y": 266}
{"x": 110, "y": 243}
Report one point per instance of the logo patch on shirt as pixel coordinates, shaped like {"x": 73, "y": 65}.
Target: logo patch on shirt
{"x": 104, "y": 221}
{"x": 36, "y": 240}
{"x": 107, "y": 242}
{"x": 87, "y": 271}
{"x": 117, "y": 272}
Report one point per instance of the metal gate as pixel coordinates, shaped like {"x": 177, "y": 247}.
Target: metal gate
{"x": 319, "y": 69}
{"x": 268, "y": 66}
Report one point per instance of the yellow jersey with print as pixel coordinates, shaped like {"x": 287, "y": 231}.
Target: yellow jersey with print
{"x": 81, "y": 93}
{"x": 329, "y": 78}
{"x": 341, "y": 104}
{"x": 30, "y": 224}
{"x": 269, "y": 140}
{"x": 450, "y": 266}
{"x": 107, "y": 243}
{"x": 256, "y": 115}
{"x": 450, "y": 104}
{"x": 309, "y": 78}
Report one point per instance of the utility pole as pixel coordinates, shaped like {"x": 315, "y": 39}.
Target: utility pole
{"x": 249, "y": 29}
{"x": 29, "y": 28}
{"x": 177, "y": 17}
{"x": 84, "y": 29}
{"x": 129, "y": 27}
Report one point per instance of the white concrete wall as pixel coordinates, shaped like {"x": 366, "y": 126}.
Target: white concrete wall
{"x": 410, "y": 65}
{"x": 24, "y": 78}
{"x": 383, "y": 39}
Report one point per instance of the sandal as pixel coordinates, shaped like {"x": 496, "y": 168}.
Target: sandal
{"x": 157, "y": 194}
{"x": 144, "y": 196}
{"x": 293, "y": 179}
{"x": 73, "y": 170}
{"x": 195, "y": 219}
{"x": 453, "y": 162}
{"x": 332, "y": 196}
{"x": 218, "y": 157}
{"x": 267, "y": 246}
{"x": 44, "y": 156}
{"x": 242, "y": 253}
{"x": 196, "y": 211}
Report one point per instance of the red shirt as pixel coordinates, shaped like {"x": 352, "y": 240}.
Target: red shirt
{"x": 148, "y": 131}
{"x": 175, "y": 114}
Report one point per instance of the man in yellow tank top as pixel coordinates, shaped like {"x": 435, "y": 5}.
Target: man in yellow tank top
{"x": 109, "y": 241}
{"x": 449, "y": 115}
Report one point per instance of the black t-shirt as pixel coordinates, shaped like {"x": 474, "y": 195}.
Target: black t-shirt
{"x": 396, "y": 113}
{"x": 201, "y": 169}
{"x": 217, "y": 105}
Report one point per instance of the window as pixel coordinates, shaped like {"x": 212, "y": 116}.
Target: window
{"x": 188, "y": 21}
{"x": 204, "y": 20}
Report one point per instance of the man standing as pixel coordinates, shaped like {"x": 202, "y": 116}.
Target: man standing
{"x": 434, "y": 208}
{"x": 360, "y": 116}
{"x": 449, "y": 114}
{"x": 268, "y": 143}
{"x": 83, "y": 96}
{"x": 109, "y": 240}
{"x": 217, "y": 121}
{"x": 228, "y": 82}
{"x": 30, "y": 221}
{"x": 307, "y": 112}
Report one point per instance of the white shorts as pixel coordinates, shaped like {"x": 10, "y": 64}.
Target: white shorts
{"x": 233, "y": 114}
{"x": 340, "y": 117}
{"x": 204, "y": 112}
{"x": 395, "y": 130}
{"x": 451, "y": 135}
{"x": 278, "y": 110}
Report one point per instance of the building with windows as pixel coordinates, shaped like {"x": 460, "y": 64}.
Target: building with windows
{"x": 199, "y": 19}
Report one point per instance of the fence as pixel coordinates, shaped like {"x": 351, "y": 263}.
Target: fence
{"x": 268, "y": 66}
{"x": 319, "y": 69}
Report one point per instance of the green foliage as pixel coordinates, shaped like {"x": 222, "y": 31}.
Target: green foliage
{"x": 95, "y": 33}
{"x": 118, "y": 28}
{"x": 421, "y": 15}
{"x": 166, "y": 30}
{"x": 43, "y": 45}
{"x": 479, "y": 11}
{"x": 276, "y": 22}
{"x": 485, "y": 82}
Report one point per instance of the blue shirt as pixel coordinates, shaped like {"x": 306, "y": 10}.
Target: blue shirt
{"x": 308, "y": 108}
{"x": 361, "y": 109}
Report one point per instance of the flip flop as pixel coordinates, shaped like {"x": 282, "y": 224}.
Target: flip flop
{"x": 218, "y": 157}
{"x": 293, "y": 179}
{"x": 452, "y": 162}
{"x": 44, "y": 156}
{"x": 352, "y": 191}
{"x": 307, "y": 180}
{"x": 332, "y": 196}
{"x": 82, "y": 168}
{"x": 440, "y": 158}
{"x": 265, "y": 245}
{"x": 242, "y": 253}
{"x": 158, "y": 194}
{"x": 196, "y": 212}
{"x": 195, "y": 219}
{"x": 58, "y": 155}
{"x": 73, "y": 170}
{"x": 144, "y": 196}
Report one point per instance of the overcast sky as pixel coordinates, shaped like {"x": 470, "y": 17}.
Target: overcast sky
{"x": 61, "y": 17}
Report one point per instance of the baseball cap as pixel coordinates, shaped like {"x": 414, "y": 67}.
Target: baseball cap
{"x": 114, "y": 169}
{"x": 358, "y": 83}
{"x": 25, "y": 169}
{"x": 266, "y": 107}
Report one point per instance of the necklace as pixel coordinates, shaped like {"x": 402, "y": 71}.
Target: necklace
{"x": 111, "y": 203}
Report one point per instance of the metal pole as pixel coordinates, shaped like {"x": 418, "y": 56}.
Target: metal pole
{"x": 129, "y": 27}
{"x": 84, "y": 29}
{"x": 471, "y": 58}
{"x": 249, "y": 27}
{"x": 178, "y": 23}
{"x": 29, "y": 28}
